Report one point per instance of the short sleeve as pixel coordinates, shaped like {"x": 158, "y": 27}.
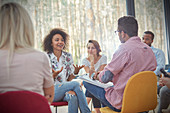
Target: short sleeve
{"x": 85, "y": 62}
{"x": 47, "y": 71}
{"x": 119, "y": 60}
{"x": 103, "y": 60}
{"x": 117, "y": 63}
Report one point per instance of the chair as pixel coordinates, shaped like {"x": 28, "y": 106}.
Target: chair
{"x": 140, "y": 94}
{"x": 56, "y": 104}
{"x": 23, "y": 102}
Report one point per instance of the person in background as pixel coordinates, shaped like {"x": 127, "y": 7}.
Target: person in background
{"x": 148, "y": 38}
{"x": 164, "y": 99}
{"x": 64, "y": 71}
{"x": 22, "y": 67}
{"x": 132, "y": 57}
{"x": 94, "y": 62}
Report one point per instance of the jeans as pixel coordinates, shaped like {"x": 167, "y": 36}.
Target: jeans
{"x": 74, "y": 101}
{"x": 99, "y": 93}
{"x": 164, "y": 99}
{"x": 95, "y": 101}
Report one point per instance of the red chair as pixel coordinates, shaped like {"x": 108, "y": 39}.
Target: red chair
{"x": 23, "y": 102}
{"x": 56, "y": 104}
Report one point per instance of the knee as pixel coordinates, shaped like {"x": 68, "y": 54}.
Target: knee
{"x": 85, "y": 84}
{"x": 72, "y": 98}
{"x": 164, "y": 91}
{"x": 71, "y": 92}
{"x": 77, "y": 86}
{"x": 75, "y": 83}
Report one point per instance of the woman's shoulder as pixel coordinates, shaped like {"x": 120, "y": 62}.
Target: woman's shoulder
{"x": 29, "y": 51}
{"x": 36, "y": 54}
{"x": 85, "y": 61}
{"x": 103, "y": 56}
{"x": 39, "y": 52}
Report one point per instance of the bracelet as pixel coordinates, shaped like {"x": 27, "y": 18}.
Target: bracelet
{"x": 92, "y": 75}
{"x": 76, "y": 76}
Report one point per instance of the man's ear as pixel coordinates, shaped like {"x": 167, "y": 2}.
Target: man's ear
{"x": 123, "y": 34}
{"x": 152, "y": 41}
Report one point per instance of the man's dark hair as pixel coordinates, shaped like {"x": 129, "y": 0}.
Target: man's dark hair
{"x": 129, "y": 25}
{"x": 151, "y": 33}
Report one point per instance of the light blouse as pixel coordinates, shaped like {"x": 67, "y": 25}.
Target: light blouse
{"x": 101, "y": 61}
{"x": 65, "y": 61}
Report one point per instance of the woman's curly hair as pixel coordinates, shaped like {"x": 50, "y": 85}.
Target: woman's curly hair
{"x": 48, "y": 39}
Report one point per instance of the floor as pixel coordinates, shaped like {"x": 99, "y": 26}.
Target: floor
{"x": 64, "y": 109}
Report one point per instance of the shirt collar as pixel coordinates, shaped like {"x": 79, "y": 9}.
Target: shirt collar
{"x": 133, "y": 38}
{"x": 54, "y": 57}
{"x": 152, "y": 47}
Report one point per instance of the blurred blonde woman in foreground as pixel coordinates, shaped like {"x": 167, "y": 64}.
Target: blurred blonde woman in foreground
{"x": 22, "y": 67}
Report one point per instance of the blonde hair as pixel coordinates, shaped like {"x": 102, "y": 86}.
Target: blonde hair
{"x": 16, "y": 28}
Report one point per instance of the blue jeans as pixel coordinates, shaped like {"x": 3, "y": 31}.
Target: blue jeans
{"x": 74, "y": 101}
{"x": 95, "y": 101}
{"x": 99, "y": 93}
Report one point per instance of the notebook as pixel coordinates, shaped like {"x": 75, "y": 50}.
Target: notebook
{"x": 85, "y": 77}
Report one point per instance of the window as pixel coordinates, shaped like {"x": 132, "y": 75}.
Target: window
{"x": 150, "y": 16}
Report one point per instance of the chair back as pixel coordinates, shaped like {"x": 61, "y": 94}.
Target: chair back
{"x": 23, "y": 102}
{"x": 140, "y": 93}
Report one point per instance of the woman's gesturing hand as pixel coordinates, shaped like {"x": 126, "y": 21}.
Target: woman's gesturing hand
{"x": 55, "y": 73}
{"x": 77, "y": 68}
